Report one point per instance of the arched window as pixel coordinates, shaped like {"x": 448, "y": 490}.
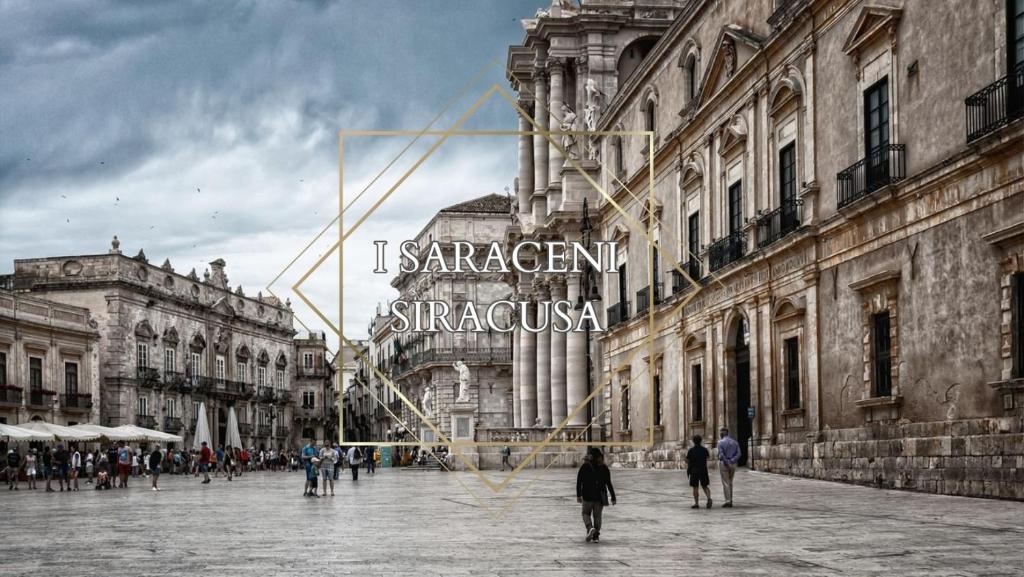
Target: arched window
{"x": 618, "y": 152}
{"x": 690, "y": 78}
{"x": 649, "y": 116}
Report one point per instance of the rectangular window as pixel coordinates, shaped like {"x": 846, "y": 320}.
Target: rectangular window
{"x": 624, "y": 407}
{"x": 876, "y": 118}
{"x": 240, "y": 371}
{"x": 169, "y": 408}
{"x": 195, "y": 365}
{"x": 693, "y": 240}
{"x": 261, "y": 376}
{"x": 623, "y": 284}
{"x": 307, "y": 360}
{"x": 1015, "y": 35}
{"x": 792, "y": 346}
{"x": 220, "y": 368}
{"x": 736, "y": 207}
{"x": 170, "y": 361}
{"x": 142, "y": 355}
{"x": 1017, "y": 315}
{"x": 308, "y": 399}
{"x": 697, "y": 387}
{"x": 71, "y": 378}
{"x": 195, "y": 410}
{"x": 659, "y": 408}
{"x": 882, "y": 348}
{"x": 280, "y": 379}
{"x": 3, "y": 368}
{"x": 143, "y": 406}
{"x": 35, "y": 373}
{"x": 787, "y": 175}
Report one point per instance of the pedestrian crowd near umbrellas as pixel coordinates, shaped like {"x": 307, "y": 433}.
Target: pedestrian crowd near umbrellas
{"x": 56, "y": 458}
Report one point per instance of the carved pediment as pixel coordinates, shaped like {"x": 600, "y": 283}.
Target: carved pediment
{"x": 733, "y": 49}
{"x": 144, "y": 330}
{"x": 222, "y": 307}
{"x": 242, "y": 353}
{"x": 282, "y": 361}
{"x": 171, "y": 336}
{"x": 873, "y": 22}
{"x": 197, "y": 343}
{"x": 263, "y": 358}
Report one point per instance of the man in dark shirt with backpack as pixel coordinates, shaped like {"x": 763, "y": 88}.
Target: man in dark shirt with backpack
{"x": 593, "y": 484}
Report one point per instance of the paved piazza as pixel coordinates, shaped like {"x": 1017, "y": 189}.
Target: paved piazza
{"x": 424, "y": 523}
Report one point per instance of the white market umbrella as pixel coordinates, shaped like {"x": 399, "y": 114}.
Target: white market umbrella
{"x": 110, "y": 433}
{"x": 150, "y": 434}
{"x": 202, "y": 429}
{"x": 61, "y": 432}
{"x": 12, "y": 433}
{"x": 233, "y": 438}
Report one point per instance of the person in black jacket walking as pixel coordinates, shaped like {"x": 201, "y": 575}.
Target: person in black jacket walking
{"x": 593, "y": 485}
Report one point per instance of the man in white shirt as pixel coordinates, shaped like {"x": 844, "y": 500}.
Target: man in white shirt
{"x": 355, "y": 458}
{"x": 76, "y": 467}
{"x": 328, "y": 460}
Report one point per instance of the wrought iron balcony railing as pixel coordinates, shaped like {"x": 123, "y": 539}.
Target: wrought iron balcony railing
{"x": 693, "y": 268}
{"x": 883, "y": 166}
{"x": 727, "y": 250}
{"x": 309, "y": 412}
{"x": 644, "y": 297}
{"x": 618, "y": 313}
{"x": 244, "y": 429}
{"x": 174, "y": 379}
{"x": 145, "y": 421}
{"x": 172, "y": 424}
{"x": 263, "y": 431}
{"x": 448, "y": 355}
{"x": 266, "y": 394}
{"x": 76, "y": 402}
{"x": 281, "y": 432}
{"x": 996, "y": 105}
{"x": 779, "y": 222}
{"x": 147, "y": 376}
{"x": 11, "y": 395}
{"x": 41, "y": 398}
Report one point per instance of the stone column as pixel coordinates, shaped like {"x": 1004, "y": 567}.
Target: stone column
{"x": 543, "y": 361}
{"x": 540, "y": 144}
{"x": 525, "y": 189}
{"x": 556, "y": 68}
{"x": 528, "y": 370}
{"x": 810, "y": 352}
{"x": 516, "y": 354}
{"x": 575, "y": 359}
{"x": 559, "y": 408}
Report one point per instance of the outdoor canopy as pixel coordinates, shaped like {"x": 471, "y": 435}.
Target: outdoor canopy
{"x": 61, "y": 432}
{"x": 150, "y": 434}
{"x": 12, "y": 433}
{"x": 111, "y": 434}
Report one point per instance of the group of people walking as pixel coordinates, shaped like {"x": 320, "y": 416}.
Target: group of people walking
{"x": 323, "y": 465}
{"x": 594, "y": 490}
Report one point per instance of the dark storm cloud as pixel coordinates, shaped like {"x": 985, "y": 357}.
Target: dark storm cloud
{"x": 112, "y": 114}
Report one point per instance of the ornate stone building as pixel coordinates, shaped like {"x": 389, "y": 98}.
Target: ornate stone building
{"x": 316, "y": 410}
{"x": 49, "y": 363}
{"x": 421, "y": 363}
{"x": 168, "y": 342}
{"x": 845, "y": 195}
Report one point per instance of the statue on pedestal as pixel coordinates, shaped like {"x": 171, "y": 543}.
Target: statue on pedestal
{"x": 463, "y": 371}
{"x": 567, "y": 125}
{"x": 427, "y": 403}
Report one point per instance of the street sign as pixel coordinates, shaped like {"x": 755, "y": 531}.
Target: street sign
{"x": 750, "y": 413}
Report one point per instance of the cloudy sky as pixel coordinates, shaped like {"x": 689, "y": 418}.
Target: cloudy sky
{"x": 202, "y": 130}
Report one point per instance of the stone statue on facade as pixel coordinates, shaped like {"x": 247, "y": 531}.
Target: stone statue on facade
{"x": 427, "y": 403}
{"x": 463, "y": 371}
{"x": 568, "y": 125}
{"x": 592, "y": 109}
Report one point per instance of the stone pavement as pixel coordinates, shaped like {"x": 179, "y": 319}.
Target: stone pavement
{"x": 425, "y": 523}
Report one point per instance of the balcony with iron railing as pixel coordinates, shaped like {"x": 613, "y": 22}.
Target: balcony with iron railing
{"x": 310, "y": 413}
{"x": 644, "y": 298}
{"x": 883, "y": 166}
{"x": 311, "y": 372}
{"x": 174, "y": 379}
{"x": 244, "y": 429}
{"x": 281, "y": 432}
{"x": 693, "y": 270}
{"x": 41, "y": 398}
{"x": 448, "y": 355}
{"x": 778, "y": 223}
{"x": 145, "y": 421}
{"x": 172, "y": 424}
{"x": 263, "y": 431}
{"x": 11, "y": 395}
{"x": 618, "y": 313}
{"x": 266, "y": 394}
{"x": 147, "y": 376}
{"x": 996, "y": 105}
{"x": 727, "y": 250}
{"x": 76, "y": 402}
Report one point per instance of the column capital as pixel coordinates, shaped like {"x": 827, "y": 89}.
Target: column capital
{"x": 555, "y": 65}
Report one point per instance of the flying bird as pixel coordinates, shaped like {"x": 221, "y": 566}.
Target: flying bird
{"x": 197, "y": 190}
{"x": 63, "y": 196}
